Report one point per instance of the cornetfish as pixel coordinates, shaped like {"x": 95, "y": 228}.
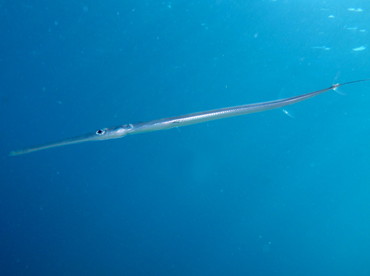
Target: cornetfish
{"x": 180, "y": 121}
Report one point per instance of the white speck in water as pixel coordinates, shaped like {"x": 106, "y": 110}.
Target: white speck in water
{"x": 355, "y": 10}
{"x": 351, "y": 28}
{"x": 322, "y": 48}
{"x": 286, "y": 112}
{"x": 359, "y": 49}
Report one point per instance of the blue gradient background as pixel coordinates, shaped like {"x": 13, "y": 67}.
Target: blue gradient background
{"x": 262, "y": 194}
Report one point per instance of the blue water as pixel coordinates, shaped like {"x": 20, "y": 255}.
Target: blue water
{"x": 263, "y": 194}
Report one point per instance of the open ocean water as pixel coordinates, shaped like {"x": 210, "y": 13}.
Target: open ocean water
{"x": 262, "y": 194}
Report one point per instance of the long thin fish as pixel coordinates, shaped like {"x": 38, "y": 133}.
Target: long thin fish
{"x": 179, "y": 121}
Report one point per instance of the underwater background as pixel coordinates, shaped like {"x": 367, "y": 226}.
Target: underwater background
{"x": 262, "y": 194}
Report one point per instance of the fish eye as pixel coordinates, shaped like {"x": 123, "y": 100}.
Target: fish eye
{"x": 100, "y": 131}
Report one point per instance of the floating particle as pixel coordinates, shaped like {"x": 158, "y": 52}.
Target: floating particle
{"x": 358, "y": 49}
{"x": 322, "y": 48}
{"x": 351, "y": 28}
{"x": 355, "y": 10}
